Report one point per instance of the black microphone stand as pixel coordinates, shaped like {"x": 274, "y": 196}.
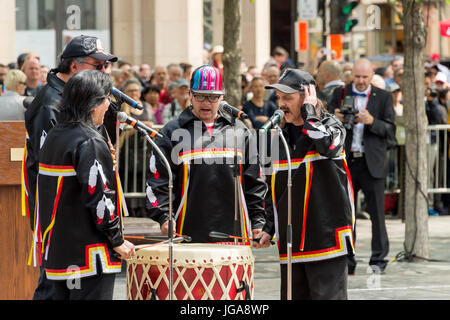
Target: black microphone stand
{"x": 289, "y": 217}
{"x": 237, "y": 178}
{"x": 170, "y": 233}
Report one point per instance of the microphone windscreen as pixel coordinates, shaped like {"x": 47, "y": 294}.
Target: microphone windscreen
{"x": 279, "y": 112}
{"x": 122, "y": 116}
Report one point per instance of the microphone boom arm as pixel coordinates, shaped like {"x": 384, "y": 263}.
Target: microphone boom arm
{"x": 289, "y": 217}
{"x": 170, "y": 233}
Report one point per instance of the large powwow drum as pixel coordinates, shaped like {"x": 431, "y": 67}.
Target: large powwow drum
{"x": 200, "y": 272}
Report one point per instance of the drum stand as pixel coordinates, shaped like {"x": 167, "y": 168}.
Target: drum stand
{"x": 170, "y": 232}
{"x": 289, "y": 218}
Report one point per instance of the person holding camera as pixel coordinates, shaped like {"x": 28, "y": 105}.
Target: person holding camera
{"x": 368, "y": 115}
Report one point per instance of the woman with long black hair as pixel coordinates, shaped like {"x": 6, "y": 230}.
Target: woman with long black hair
{"x": 79, "y": 220}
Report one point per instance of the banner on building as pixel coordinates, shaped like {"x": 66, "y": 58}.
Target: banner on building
{"x": 301, "y": 36}
{"x": 336, "y": 44}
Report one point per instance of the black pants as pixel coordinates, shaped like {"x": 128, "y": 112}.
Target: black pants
{"x": 44, "y": 290}
{"x": 374, "y": 195}
{"x": 98, "y": 287}
{"x": 321, "y": 280}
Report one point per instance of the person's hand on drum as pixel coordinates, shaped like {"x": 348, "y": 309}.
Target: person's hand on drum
{"x": 125, "y": 250}
{"x": 264, "y": 240}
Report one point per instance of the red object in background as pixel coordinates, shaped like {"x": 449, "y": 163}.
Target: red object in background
{"x": 301, "y": 36}
{"x": 390, "y": 202}
{"x": 336, "y": 44}
{"x": 445, "y": 28}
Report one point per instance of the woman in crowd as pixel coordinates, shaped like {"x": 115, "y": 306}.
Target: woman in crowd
{"x": 132, "y": 145}
{"x": 258, "y": 110}
{"x": 11, "y": 103}
{"x": 150, "y": 96}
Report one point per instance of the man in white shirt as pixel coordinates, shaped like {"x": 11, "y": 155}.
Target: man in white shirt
{"x": 366, "y": 149}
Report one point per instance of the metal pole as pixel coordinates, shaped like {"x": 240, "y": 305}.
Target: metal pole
{"x": 237, "y": 224}
{"x": 444, "y": 164}
{"x": 170, "y": 233}
{"x": 289, "y": 218}
{"x": 118, "y": 143}
{"x": 135, "y": 155}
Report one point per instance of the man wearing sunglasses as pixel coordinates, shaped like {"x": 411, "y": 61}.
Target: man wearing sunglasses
{"x": 199, "y": 145}
{"x": 81, "y": 53}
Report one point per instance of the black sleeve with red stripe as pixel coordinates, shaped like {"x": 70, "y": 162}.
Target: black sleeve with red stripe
{"x": 327, "y": 132}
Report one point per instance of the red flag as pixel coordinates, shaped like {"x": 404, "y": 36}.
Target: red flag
{"x": 445, "y": 28}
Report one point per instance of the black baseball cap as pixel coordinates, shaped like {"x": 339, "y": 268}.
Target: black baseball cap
{"x": 87, "y": 46}
{"x": 292, "y": 80}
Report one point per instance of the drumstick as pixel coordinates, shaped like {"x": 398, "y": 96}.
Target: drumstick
{"x": 179, "y": 239}
{"x": 221, "y": 235}
{"x": 185, "y": 237}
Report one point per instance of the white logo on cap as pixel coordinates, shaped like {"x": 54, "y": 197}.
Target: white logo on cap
{"x": 100, "y": 46}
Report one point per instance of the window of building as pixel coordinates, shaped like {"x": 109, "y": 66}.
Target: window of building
{"x": 207, "y": 22}
{"x": 44, "y": 27}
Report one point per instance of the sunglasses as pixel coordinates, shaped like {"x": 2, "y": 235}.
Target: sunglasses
{"x": 201, "y": 98}
{"x": 99, "y": 67}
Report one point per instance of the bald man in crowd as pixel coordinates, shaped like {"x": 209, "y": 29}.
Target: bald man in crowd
{"x": 328, "y": 79}
{"x": 366, "y": 150}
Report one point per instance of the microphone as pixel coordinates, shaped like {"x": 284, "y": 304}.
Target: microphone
{"x": 122, "y": 96}
{"x": 123, "y": 117}
{"x": 274, "y": 120}
{"x": 233, "y": 111}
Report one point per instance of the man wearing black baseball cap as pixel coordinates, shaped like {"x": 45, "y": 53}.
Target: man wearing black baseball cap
{"x": 81, "y": 53}
{"x": 322, "y": 214}
{"x": 87, "y": 46}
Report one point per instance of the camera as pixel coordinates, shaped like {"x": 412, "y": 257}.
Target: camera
{"x": 349, "y": 112}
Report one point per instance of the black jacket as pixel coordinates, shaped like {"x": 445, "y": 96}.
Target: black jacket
{"x": 434, "y": 116}
{"x": 80, "y": 208}
{"x": 203, "y": 178}
{"x": 326, "y": 95}
{"x": 376, "y": 136}
{"x": 40, "y": 118}
{"x": 322, "y": 195}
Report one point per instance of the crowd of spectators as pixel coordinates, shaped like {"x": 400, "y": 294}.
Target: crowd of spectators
{"x": 164, "y": 91}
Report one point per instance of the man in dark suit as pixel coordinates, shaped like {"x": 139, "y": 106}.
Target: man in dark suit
{"x": 366, "y": 146}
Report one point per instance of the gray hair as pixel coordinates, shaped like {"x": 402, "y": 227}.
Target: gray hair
{"x": 130, "y": 82}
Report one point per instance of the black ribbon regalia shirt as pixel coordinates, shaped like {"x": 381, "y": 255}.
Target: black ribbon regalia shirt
{"x": 322, "y": 193}
{"x": 79, "y": 207}
{"x": 203, "y": 178}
